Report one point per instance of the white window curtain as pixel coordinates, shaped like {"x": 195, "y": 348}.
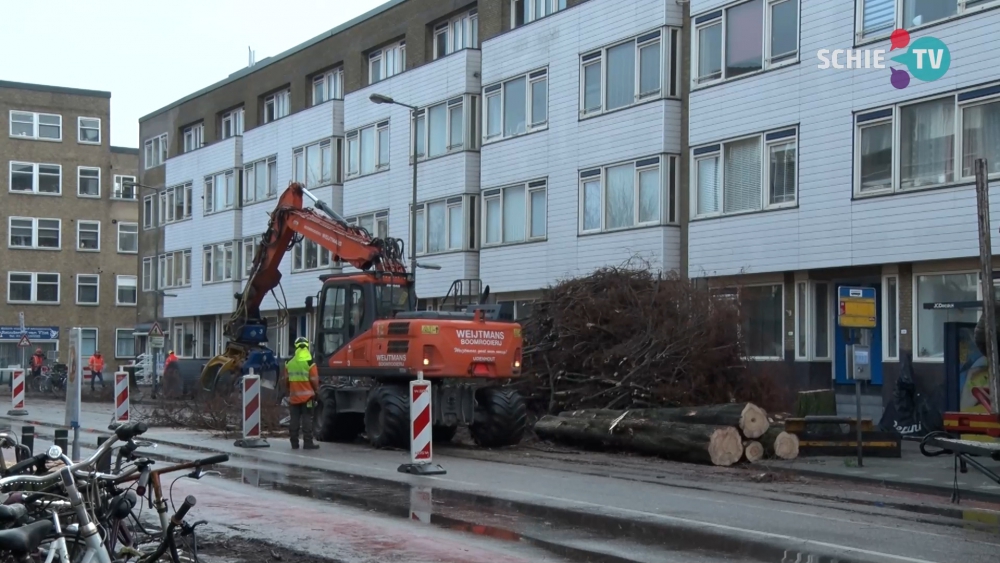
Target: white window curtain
{"x": 649, "y": 195}
{"x": 708, "y": 185}
{"x": 493, "y": 230}
{"x": 981, "y": 137}
{"x": 620, "y": 193}
{"x": 782, "y": 173}
{"x": 879, "y": 17}
{"x": 710, "y": 51}
{"x": 436, "y": 224}
{"x": 513, "y": 214}
{"x": 592, "y": 205}
{"x": 515, "y": 97}
{"x": 439, "y": 130}
{"x": 368, "y": 150}
{"x": 927, "y": 147}
{"x": 742, "y": 177}
{"x": 919, "y": 12}
{"x": 621, "y": 76}
{"x": 455, "y": 227}
{"x": 592, "y": 87}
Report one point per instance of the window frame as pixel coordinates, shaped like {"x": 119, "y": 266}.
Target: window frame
{"x": 136, "y": 233}
{"x": 129, "y": 334}
{"x": 889, "y": 355}
{"x": 468, "y": 105}
{"x": 377, "y": 217}
{"x": 235, "y": 118}
{"x": 669, "y": 44}
{"x": 781, "y": 316}
{"x": 469, "y": 229}
{"x": 34, "y": 233}
{"x": 193, "y": 137}
{"x": 280, "y": 102}
{"x": 333, "y": 86}
{"x": 499, "y": 89}
{"x": 720, "y": 16}
{"x": 324, "y": 258}
{"x": 209, "y": 186}
{"x": 156, "y": 151}
{"x": 917, "y": 307}
{"x": 531, "y": 9}
{"x": 778, "y": 136}
{"x": 332, "y": 143}
{"x": 808, "y": 309}
{"x": 380, "y": 56}
{"x": 35, "y": 180}
{"x": 962, "y": 9}
{"x": 470, "y": 28}
{"x": 247, "y": 184}
{"x": 149, "y": 219}
{"x": 165, "y": 277}
{"x": 36, "y": 125}
{"x": 587, "y": 175}
{"x": 148, "y": 274}
{"x": 79, "y": 177}
{"x": 118, "y": 191}
{"x": 234, "y": 262}
{"x": 34, "y": 288}
{"x": 355, "y": 135}
{"x": 246, "y": 263}
{"x": 170, "y": 193}
{"x": 80, "y": 128}
{"x": 97, "y": 285}
{"x": 118, "y": 287}
{"x": 89, "y": 222}
{"x": 530, "y": 187}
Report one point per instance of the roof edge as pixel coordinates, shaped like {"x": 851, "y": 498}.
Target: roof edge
{"x": 124, "y": 150}
{"x": 54, "y": 89}
{"x": 280, "y": 56}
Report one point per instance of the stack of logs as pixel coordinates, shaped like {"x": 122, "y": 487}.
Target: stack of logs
{"x": 716, "y": 434}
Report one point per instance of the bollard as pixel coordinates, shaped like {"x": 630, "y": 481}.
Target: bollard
{"x": 421, "y": 454}
{"x": 251, "y": 414}
{"x": 28, "y": 438}
{"x": 62, "y": 439}
{"x": 122, "y": 407}
{"x": 104, "y": 462}
{"x": 17, "y": 393}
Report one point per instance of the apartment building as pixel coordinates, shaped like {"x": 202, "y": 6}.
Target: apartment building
{"x": 70, "y": 224}
{"x": 806, "y": 176}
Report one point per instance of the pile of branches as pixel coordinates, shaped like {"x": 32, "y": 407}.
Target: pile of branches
{"x": 625, "y": 337}
{"x": 218, "y": 413}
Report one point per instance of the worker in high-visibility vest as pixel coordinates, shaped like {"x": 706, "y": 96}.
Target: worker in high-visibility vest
{"x": 96, "y": 365}
{"x": 302, "y": 381}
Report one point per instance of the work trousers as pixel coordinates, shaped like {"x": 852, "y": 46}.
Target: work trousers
{"x": 302, "y": 416}
{"x": 94, "y": 376}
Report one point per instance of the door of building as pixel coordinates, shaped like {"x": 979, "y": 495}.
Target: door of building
{"x": 875, "y": 339}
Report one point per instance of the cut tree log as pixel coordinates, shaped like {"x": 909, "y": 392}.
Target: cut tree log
{"x": 748, "y": 417}
{"x": 780, "y": 444}
{"x": 753, "y": 450}
{"x": 701, "y": 443}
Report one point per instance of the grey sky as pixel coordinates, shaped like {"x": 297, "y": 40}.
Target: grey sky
{"x": 148, "y": 54}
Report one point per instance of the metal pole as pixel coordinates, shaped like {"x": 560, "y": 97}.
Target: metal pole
{"x": 986, "y": 275}
{"x": 413, "y": 211}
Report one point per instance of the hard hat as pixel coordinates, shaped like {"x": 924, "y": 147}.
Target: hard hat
{"x": 301, "y": 342}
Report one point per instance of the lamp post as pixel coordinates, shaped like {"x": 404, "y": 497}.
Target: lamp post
{"x": 380, "y": 99}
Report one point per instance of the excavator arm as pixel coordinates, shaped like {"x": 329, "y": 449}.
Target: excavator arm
{"x": 290, "y": 222}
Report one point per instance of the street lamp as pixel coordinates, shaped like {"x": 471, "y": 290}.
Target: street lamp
{"x": 380, "y": 99}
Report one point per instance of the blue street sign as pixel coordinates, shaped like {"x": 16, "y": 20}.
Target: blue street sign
{"x": 34, "y": 333}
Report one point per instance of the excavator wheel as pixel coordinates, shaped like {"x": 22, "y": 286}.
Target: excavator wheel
{"x": 387, "y": 417}
{"x": 334, "y": 427}
{"x": 501, "y": 417}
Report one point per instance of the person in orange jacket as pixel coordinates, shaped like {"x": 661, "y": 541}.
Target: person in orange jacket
{"x": 37, "y": 361}
{"x": 96, "y": 369}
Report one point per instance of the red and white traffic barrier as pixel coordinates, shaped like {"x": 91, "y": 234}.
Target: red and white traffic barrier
{"x": 251, "y": 413}
{"x": 17, "y": 388}
{"x": 421, "y": 504}
{"x": 421, "y": 430}
{"x": 122, "y": 408}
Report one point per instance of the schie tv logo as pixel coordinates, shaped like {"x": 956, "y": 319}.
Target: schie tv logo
{"x": 927, "y": 59}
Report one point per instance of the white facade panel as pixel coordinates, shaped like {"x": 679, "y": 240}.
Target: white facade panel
{"x": 571, "y": 144}
{"x": 830, "y": 227}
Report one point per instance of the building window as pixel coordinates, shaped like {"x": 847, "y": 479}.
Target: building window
{"x": 937, "y": 140}
{"x": 276, "y": 105}
{"x": 526, "y": 11}
{"x": 762, "y": 309}
{"x": 175, "y": 204}
{"x": 36, "y": 234}
{"x": 88, "y": 130}
{"x": 308, "y": 255}
{"x": 250, "y": 245}
{"x": 745, "y": 38}
{"x": 147, "y": 273}
{"x": 174, "y": 269}
{"x": 88, "y": 289}
{"x": 231, "y": 123}
{"x": 155, "y": 151}
{"x": 124, "y": 187}
{"x": 207, "y": 340}
{"x": 748, "y": 174}
{"x": 148, "y": 217}
{"x": 314, "y": 165}
{"x": 890, "y": 318}
{"x": 628, "y": 73}
{"x": 629, "y": 194}
{"x": 368, "y": 150}
{"x": 88, "y": 181}
{"x": 929, "y": 325}
{"x": 446, "y": 225}
{"x": 514, "y": 213}
{"x": 31, "y": 287}
{"x": 88, "y": 236}
{"x": 328, "y": 86}
{"x": 193, "y": 137}
{"x": 260, "y": 180}
{"x": 39, "y": 126}
{"x": 376, "y": 224}
{"x": 124, "y": 343}
{"x": 878, "y": 18}
{"x": 386, "y": 62}
{"x": 516, "y": 106}
{"x": 812, "y": 321}
{"x": 26, "y": 177}
{"x": 461, "y": 32}
{"x": 88, "y": 342}
{"x": 125, "y": 290}
{"x": 447, "y": 131}
{"x": 183, "y": 341}
{"x": 220, "y": 192}
{"x": 128, "y": 238}
{"x": 218, "y": 263}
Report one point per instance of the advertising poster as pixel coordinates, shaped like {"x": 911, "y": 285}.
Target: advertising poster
{"x": 973, "y": 378}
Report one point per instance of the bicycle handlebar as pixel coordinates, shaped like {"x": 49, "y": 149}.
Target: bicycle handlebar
{"x": 221, "y": 458}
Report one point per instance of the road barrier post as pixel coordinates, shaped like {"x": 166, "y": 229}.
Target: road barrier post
{"x": 123, "y": 409}
{"x": 28, "y": 439}
{"x": 251, "y": 413}
{"x": 17, "y": 393}
{"x": 104, "y": 462}
{"x": 62, "y": 439}
{"x": 421, "y": 431}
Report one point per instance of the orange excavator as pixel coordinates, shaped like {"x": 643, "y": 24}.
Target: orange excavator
{"x": 370, "y": 341}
